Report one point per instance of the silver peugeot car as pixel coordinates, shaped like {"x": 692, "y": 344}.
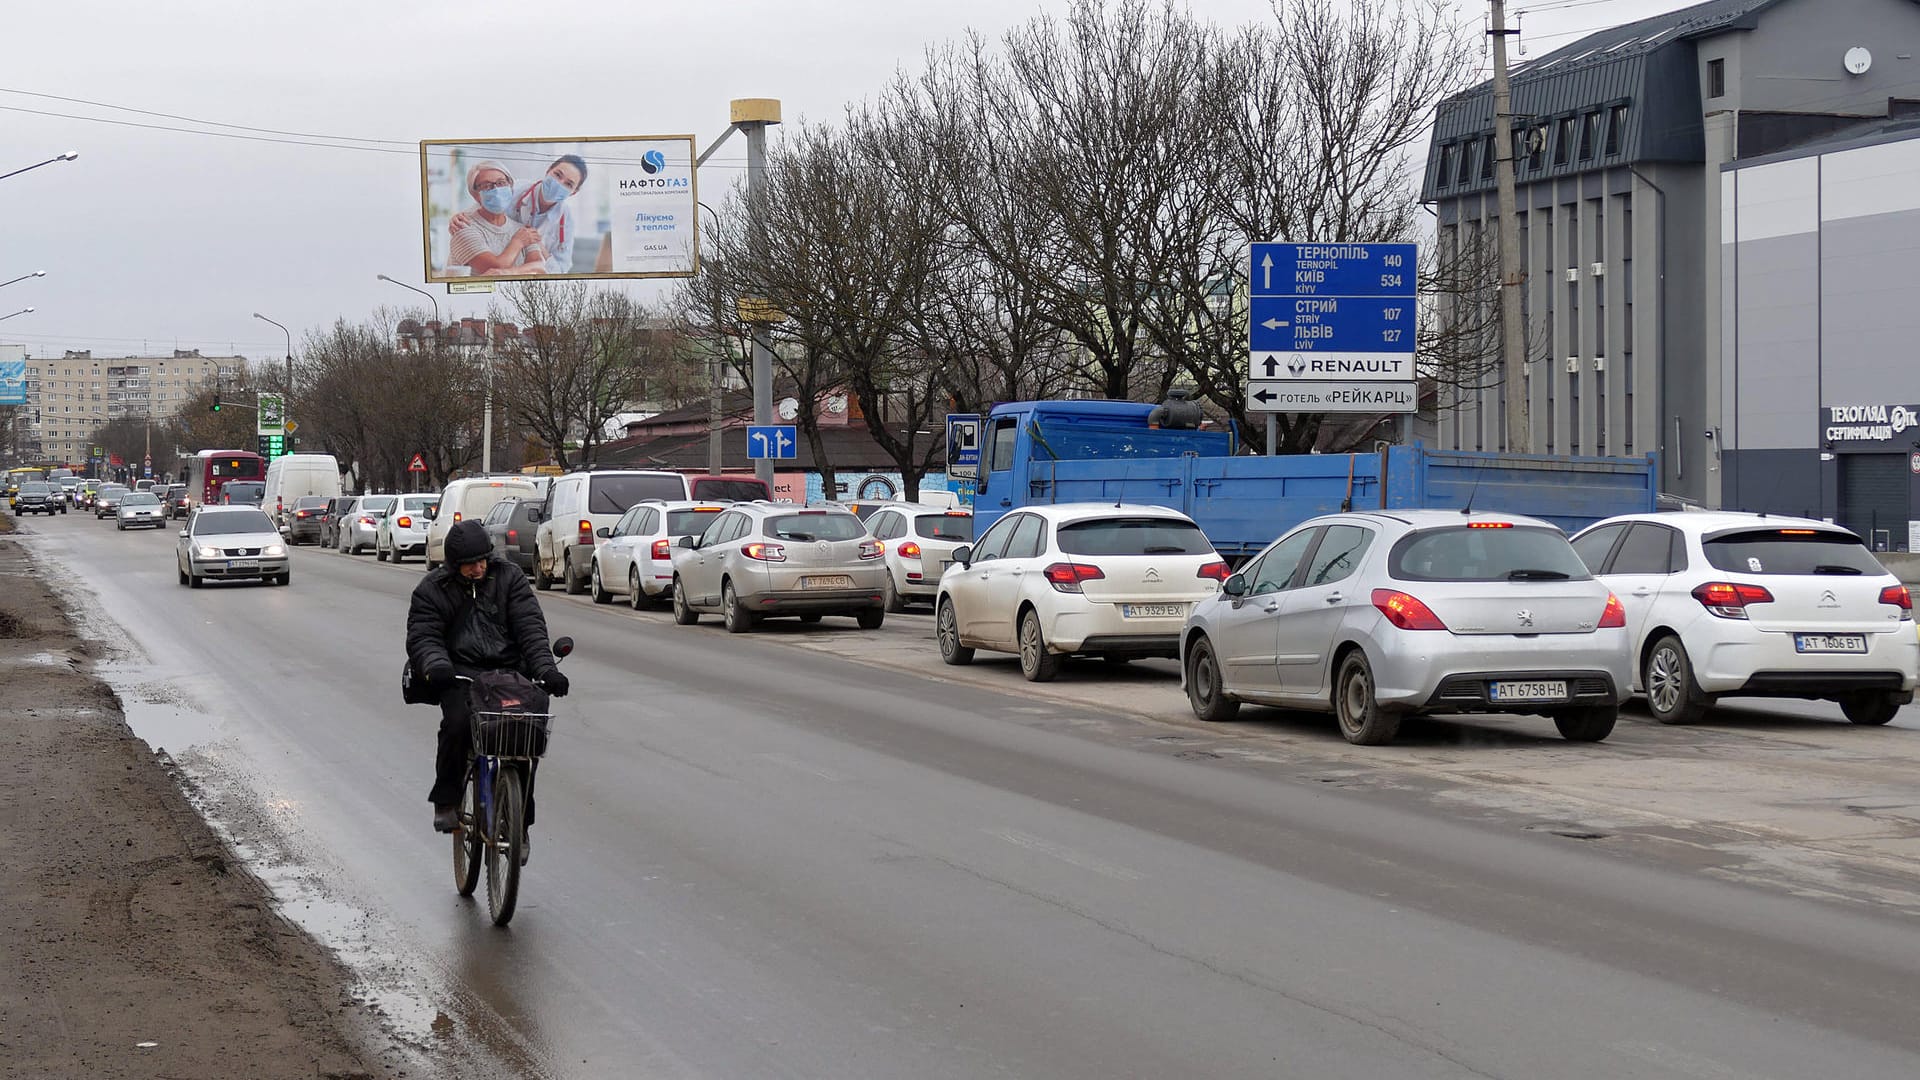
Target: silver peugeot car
{"x": 1375, "y": 616}
{"x": 763, "y": 558}
{"x": 222, "y": 543}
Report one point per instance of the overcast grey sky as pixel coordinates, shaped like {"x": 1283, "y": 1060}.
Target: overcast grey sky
{"x": 154, "y": 239}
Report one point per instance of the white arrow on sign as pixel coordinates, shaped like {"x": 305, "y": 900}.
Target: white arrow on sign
{"x": 1266, "y": 264}
{"x": 782, "y": 442}
{"x": 1275, "y": 324}
{"x": 761, "y": 437}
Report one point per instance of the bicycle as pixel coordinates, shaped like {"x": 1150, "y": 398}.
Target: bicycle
{"x": 507, "y": 748}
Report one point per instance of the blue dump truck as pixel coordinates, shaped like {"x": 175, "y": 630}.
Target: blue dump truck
{"x": 1040, "y": 452}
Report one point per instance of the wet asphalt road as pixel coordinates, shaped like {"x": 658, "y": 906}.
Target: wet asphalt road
{"x": 757, "y": 861}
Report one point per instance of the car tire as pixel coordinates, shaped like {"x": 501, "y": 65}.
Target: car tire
{"x": 1036, "y": 663}
{"x": 946, "y": 629}
{"x": 1590, "y": 724}
{"x": 894, "y": 604}
{"x": 1673, "y": 697}
{"x": 682, "y": 614}
{"x": 1362, "y": 721}
{"x": 599, "y": 590}
{"x": 120, "y": 526}
{"x": 1869, "y": 709}
{"x": 738, "y": 619}
{"x": 379, "y": 553}
{"x": 394, "y": 556}
{"x": 1206, "y": 691}
{"x": 575, "y": 584}
{"x": 192, "y": 581}
{"x": 541, "y": 580}
{"x": 635, "y": 596}
{"x": 871, "y": 618}
{"x": 184, "y": 579}
{"x": 283, "y": 579}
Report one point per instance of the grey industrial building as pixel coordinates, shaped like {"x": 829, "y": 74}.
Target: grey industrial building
{"x": 1627, "y": 144}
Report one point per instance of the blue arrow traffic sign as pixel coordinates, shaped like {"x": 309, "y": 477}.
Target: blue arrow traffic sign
{"x": 1367, "y": 324}
{"x": 1335, "y": 269}
{"x": 1335, "y": 314}
{"x": 774, "y": 441}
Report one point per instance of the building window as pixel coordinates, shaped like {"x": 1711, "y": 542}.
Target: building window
{"x": 1486, "y": 158}
{"x": 1590, "y": 137}
{"x": 1616, "y": 128}
{"x": 1563, "y": 144}
{"x": 1536, "y": 145}
{"x": 1716, "y": 78}
{"x": 1445, "y": 177}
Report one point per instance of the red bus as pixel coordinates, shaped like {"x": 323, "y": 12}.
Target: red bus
{"x": 211, "y": 470}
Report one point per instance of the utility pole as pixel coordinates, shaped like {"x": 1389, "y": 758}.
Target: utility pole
{"x": 1513, "y": 344}
{"x": 752, "y": 116}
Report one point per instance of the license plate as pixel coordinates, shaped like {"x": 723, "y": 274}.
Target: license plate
{"x": 1829, "y": 643}
{"x": 1527, "y": 691}
{"x": 242, "y": 564}
{"x": 832, "y": 581}
{"x": 1153, "y": 611}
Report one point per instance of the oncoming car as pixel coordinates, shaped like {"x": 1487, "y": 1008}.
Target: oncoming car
{"x": 224, "y": 543}
{"x": 140, "y": 509}
{"x": 1377, "y": 616}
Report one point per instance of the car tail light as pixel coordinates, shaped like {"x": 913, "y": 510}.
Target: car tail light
{"x": 1615, "y": 615}
{"x": 368, "y": 521}
{"x": 303, "y": 513}
{"x": 1218, "y": 570}
{"x": 1489, "y": 524}
{"x": 586, "y": 531}
{"x": 1406, "y": 612}
{"x": 1899, "y": 597}
{"x": 909, "y": 550}
{"x": 513, "y": 536}
{"x": 663, "y": 549}
{"x": 1730, "y": 601}
{"x": 872, "y": 549}
{"x": 405, "y": 523}
{"x": 456, "y": 517}
{"x": 765, "y": 552}
{"x": 1066, "y": 577}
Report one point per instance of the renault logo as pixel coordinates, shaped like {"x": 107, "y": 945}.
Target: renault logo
{"x": 1525, "y": 616}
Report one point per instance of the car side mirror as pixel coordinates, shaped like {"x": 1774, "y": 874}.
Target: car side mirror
{"x": 689, "y": 543}
{"x": 562, "y": 646}
{"x": 183, "y": 534}
{"x": 1235, "y": 585}
{"x": 963, "y": 555}
{"x": 605, "y": 532}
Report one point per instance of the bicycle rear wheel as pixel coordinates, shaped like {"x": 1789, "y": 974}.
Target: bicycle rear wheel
{"x": 503, "y": 843}
{"x": 466, "y": 842}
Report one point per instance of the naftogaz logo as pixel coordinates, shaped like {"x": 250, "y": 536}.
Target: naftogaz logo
{"x": 653, "y": 161}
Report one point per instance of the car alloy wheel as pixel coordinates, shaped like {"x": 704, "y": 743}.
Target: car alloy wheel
{"x": 1671, "y": 694}
{"x": 683, "y": 612}
{"x": 1037, "y": 663}
{"x": 946, "y": 627}
{"x": 634, "y": 596}
{"x": 599, "y": 588}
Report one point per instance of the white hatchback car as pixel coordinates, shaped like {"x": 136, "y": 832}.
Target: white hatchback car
{"x": 1731, "y": 604}
{"x": 635, "y": 556}
{"x": 1075, "y": 578}
{"x": 920, "y": 543}
{"x": 403, "y": 531}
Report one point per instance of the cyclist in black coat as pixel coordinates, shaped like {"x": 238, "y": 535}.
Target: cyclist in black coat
{"x": 473, "y": 613}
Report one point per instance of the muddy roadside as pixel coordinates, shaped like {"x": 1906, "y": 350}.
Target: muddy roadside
{"x": 132, "y": 943}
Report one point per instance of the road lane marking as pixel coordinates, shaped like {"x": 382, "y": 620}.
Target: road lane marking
{"x": 799, "y": 766}
{"x": 1067, "y": 855}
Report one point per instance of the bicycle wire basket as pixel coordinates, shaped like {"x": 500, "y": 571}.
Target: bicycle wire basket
{"x": 511, "y": 734}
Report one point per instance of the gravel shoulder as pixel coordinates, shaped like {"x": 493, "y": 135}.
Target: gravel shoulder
{"x": 132, "y": 944}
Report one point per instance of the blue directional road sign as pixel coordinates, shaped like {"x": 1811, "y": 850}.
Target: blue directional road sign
{"x": 772, "y": 441}
{"x": 1336, "y": 314}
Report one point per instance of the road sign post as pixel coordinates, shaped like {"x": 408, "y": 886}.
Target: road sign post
{"x": 1331, "y": 328}
{"x": 772, "y": 442}
{"x": 963, "y": 447}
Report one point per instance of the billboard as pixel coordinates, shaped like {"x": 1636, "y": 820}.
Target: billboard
{"x": 13, "y": 374}
{"x": 531, "y": 209}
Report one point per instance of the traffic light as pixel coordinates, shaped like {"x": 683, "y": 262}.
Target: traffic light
{"x": 216, "y": 402}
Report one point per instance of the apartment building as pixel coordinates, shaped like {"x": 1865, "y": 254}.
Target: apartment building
{"x": 77, "y": 392}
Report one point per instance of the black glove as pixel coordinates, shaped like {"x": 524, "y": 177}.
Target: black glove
{"x": 554, "y": 683}
{"x": 439, "y": 675}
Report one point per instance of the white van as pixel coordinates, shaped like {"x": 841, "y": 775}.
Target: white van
{"x": 470, "y": 499}
{"x": 577, "y": 506}
{"x": 294, "y": 476}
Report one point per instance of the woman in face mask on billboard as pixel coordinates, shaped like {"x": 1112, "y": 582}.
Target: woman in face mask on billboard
{"x": 546, "y": 207}
{"x": 487, "y": 239}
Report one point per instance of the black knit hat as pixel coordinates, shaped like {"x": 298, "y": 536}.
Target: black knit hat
{"x": 467, "y": 541}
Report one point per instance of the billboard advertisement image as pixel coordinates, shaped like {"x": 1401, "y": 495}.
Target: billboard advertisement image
{"x": 531, "y": 209}
{"x": 13, "y": 375}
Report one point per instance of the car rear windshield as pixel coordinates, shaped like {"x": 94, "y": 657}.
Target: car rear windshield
{"x": 1133, "y": 536}
{"x": 1791, "y": 551}
{"x": 309, "y": 502}
{"x": 944, "y": 527}
{"x": 244, "y": 492}
{"x": 737, "y": 490}
{"x": 228, "y": 524}
{"x": 689, "y": 522}
{"x": 1487, "y": 552}
{"x": 614, "y": 494}
{"x": 805, "y": 528}
{"x": 418, "y": 503}
{"x": 378, "y": 504}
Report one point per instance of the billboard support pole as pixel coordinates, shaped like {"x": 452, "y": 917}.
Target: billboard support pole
{"x": 752, "y": 116}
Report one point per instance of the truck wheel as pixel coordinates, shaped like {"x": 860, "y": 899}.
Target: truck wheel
{"x": 1362, "y": 720}
{"x": 1672, "y": 695}
{"x": 1206, "y": 693}
{"x": 1036, "y": 662}
{"x": 682, "y": 614}
{"x": 1868, "y": 708}
{"x": 946, "y": 627}
{"x": 1590, "y": 724}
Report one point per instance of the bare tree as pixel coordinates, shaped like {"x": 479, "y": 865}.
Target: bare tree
{"x": 197, "y": 427}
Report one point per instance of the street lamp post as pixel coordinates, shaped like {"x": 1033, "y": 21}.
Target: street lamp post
{"x": 22, "y": 311}
{"x": 286, "y": 403}
{"x": 68, "y": 156}
{"x": 23, "y": 277}
{"x": 486, "y": 420}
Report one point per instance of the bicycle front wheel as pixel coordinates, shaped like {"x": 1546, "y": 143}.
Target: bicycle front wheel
{"x": 503, "y": 843}
{"x": 466, "y": 841}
